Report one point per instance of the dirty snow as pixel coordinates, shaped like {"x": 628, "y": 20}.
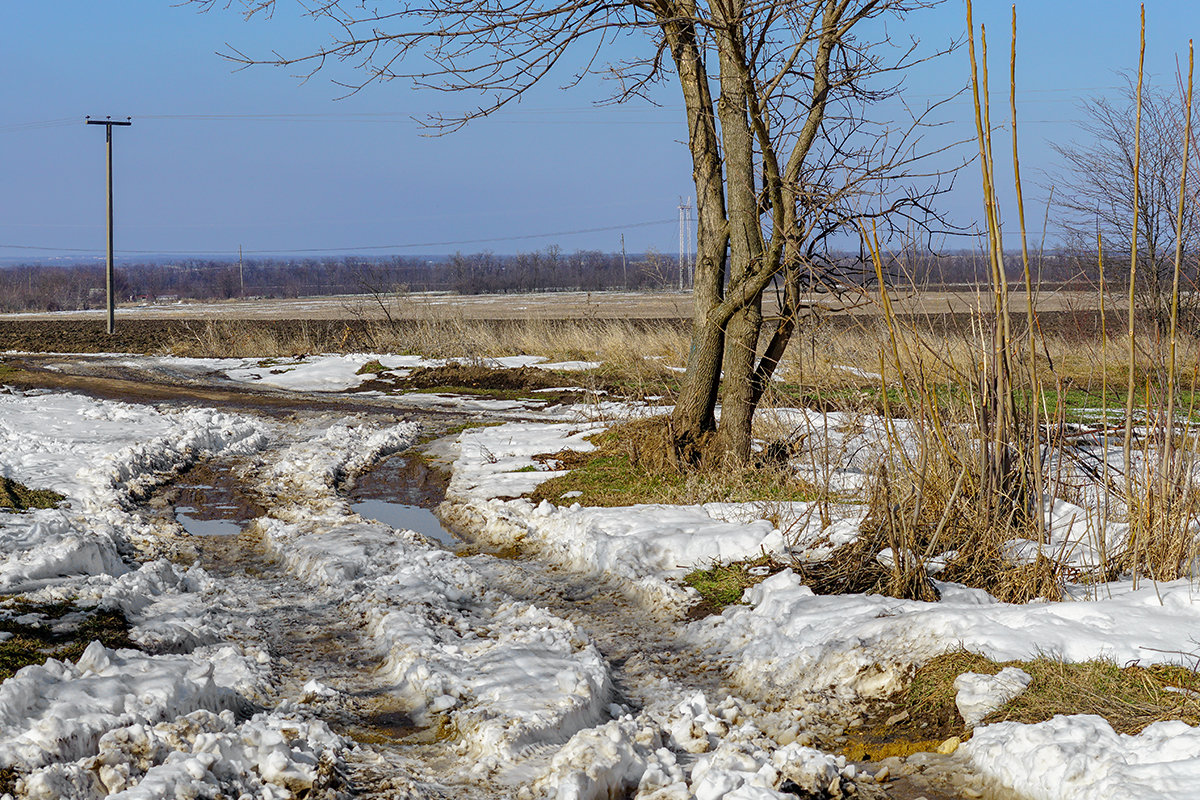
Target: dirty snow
{"x": 529, "y": 697}
{"x": 121, "y": 721}
{"x": 509, "y": 675}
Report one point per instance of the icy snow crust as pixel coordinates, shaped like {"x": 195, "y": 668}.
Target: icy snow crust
{"x": 120, "y": 722}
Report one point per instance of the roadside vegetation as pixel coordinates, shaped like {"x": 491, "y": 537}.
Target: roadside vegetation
{"x": 61, "y": 630}
{"x": 924, "y": 717}
{"x": 16, "y": 496}
{"x": 633, "y": 463}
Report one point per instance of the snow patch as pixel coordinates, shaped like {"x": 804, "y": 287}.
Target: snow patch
{"x": 978, "y": 695}
{"x": 1082, "y": 758}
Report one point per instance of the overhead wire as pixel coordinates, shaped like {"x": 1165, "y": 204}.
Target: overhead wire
{"x": 352, "y": 249}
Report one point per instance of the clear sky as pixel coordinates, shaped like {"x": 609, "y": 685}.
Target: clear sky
{"x": 218, "y": 158}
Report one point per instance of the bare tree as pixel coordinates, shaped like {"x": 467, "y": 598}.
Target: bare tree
{"x": 785, "y": 157}
{"x": 1096, "y": 193}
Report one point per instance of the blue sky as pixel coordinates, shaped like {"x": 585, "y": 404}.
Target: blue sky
{"x": 218, "y": 158}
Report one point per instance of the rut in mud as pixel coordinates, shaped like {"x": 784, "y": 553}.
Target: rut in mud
{"x": 322, "y": 657}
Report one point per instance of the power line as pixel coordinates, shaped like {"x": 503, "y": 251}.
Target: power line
{"x": 410, "y": 117}
{"x": 352, "y": 249}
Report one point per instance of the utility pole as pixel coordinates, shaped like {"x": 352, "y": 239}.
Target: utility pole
{"x": 624, "y": 270}
{"x": 108, "y": 123}
{"x": 241, "y": 272}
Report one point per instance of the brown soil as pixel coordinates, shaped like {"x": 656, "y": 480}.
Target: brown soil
{"x": 110, "y": 382}
{"x": 137, "y": 335}
{"x": 522, "y": 380}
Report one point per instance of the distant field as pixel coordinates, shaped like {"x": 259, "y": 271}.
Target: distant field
{"x": 542, "y": 305}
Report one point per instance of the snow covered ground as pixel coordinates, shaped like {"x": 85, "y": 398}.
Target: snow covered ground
{"x": 138, "y": 724}
{"x": 786, "y": 644}
{"x": 528, "y": 704}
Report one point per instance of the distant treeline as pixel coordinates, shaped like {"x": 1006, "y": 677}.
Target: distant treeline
{"x": 39, "y": 287}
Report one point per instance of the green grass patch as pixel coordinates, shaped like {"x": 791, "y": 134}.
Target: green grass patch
{"x": 632, "y": 464}
{"x": 64, "y": 633}
{"x": 372, "y": 367}
{"x": 458, "y": 428}
{"x": 604, "y": 480}
{"x": 722, "y": 585}
{"x": 18, "y": 497}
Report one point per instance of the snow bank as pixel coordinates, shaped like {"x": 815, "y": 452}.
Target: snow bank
{"x": 47, "y": 544}
{"x": 1082, "y": 758}
{"x": 99, "y": 454}
{"x": 788, "y": 641}
{"x": 489, "y": 459}
{"x": 58, "y": 712}
{"x": 647, "y": 545}
{"x": 306, "y": 474}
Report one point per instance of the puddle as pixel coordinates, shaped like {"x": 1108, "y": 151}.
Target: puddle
{"x": 399, "y": 492}
{"x": 206, "y": 527}
{"x": 403, "y": 479}
{"x": 406, "y": 517}
{"x": 209, "y": 500}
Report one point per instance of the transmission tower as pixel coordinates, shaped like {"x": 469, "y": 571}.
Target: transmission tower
{"x": 686, "y": 264}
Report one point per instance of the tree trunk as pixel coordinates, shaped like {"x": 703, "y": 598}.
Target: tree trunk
{"x": 695, "y": 411}
{"x": 738, "y": 400}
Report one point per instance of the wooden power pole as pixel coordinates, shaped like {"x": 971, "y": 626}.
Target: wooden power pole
{"x": 108, "y": 123}
{"x": 624, "y": 270}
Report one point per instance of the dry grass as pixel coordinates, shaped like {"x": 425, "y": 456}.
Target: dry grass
{"x": 924, "y": 714}
{"x": 627, "y": 345}
{"x": 633, "y": 463}
{"x": 830, "y": 357}
{"x": 920, "y": 373}
{"x": 1129, "y": 697}
{"x": 18, "y": 497}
